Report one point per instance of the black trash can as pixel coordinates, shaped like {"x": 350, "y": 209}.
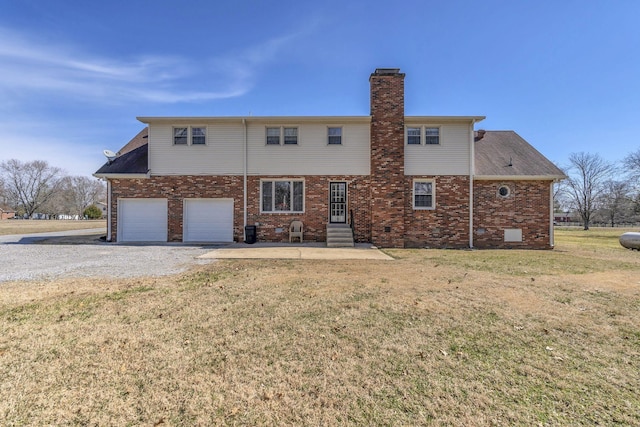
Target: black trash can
{"x": 250, "y": 234}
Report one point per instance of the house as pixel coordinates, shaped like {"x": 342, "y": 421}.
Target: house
{"x": 103, "y": 208}
{"x": 7, "y": 213}
{"x": 386, "y": 178}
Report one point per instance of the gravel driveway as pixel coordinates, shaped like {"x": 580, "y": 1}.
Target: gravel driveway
{"x": 81, "y": 254}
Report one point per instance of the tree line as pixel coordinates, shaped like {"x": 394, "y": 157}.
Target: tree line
{"x": 599, "y": 191}
{"x": 37, "y": 187}
{"x": 596, "y": 190}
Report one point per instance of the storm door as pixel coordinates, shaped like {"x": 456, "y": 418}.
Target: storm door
{"x": 338, "y": 202}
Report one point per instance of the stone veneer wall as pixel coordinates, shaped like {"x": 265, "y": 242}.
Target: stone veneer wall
{"x": 387, "y": 159}
{"x": 446, "y": 226}
{"x": 526, "y": 208}
{"x": 273, "y": 227}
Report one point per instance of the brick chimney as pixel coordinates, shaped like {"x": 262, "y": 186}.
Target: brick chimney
{"x": 387, "y": 157}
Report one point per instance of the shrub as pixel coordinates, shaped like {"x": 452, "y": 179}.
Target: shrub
{"x": 92, "y": 212}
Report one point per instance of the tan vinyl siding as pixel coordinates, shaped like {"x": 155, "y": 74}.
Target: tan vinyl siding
{"x": 223, "y": 152}
{"x": 312, "y": 155}
{"x": 221, "y": 155}
{"x": 450, "y": 157}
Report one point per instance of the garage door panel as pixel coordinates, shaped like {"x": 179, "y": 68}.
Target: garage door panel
{"x": 208, "y": 220}
{"x": 142, "y": 220}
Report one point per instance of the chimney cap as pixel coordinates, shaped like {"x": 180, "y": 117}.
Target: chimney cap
{"x": 386, "y": 71}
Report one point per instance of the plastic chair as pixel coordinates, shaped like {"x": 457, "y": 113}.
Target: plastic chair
{"x": 296, "y": 229}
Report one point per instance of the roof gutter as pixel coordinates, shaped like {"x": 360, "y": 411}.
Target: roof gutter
{"x": 123, "y": 175}
{"x": 520, "y": 177}
{"x": 552, "y": 242}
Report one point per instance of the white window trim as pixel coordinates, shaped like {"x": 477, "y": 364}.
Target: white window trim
{"x": 406, "y": 135}
{"x": 281, "y": 139}
{"x": 206, "y": 131}
{"x": 190, "y": 135}
{"x": 433, "y": 195}
{"x": 341, "y": 135}
{"x": 292, "y": 180}
{"x": 423, "y": 134}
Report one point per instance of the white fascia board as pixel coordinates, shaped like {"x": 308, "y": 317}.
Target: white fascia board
{"x": 518, "y": 177}
{"x": 122, "y": 175}
{"x": 443, "y": 119}
{"x": 256, "y": 119}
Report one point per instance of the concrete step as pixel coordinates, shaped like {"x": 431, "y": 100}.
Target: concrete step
{"x": 339, "y": 245}
{"x": 339, "y": 236}
{"x": 339, "y": 233}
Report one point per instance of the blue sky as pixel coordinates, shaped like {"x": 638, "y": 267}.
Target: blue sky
{"x": 74, "y": 74}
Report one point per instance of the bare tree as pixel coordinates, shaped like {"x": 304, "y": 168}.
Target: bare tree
{"x": 588, "y": 174}
{"x": 30, "y": 185}
{"x": 632, "y": 164}
{"x": 80, "y": 192}
{"x": 616, "y": 201}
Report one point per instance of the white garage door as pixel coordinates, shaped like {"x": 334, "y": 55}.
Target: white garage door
{"x": 208, "y": 220}
{"x": 142, "y": 220}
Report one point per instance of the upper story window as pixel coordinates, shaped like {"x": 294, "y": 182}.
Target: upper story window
{"x": 282, "y": 135}
{"x": 180, "y": 136}
{"x": 429, "y": 134}
{"x": 413, "y": 136}
{"x": 198, "y": 136}
{"x": 424, "y": 194}
{"x": 334, "y": 136}
{"x": 290, "y": 136}
{"x": 190, "y": 135}
{"x": 273, "y": 136}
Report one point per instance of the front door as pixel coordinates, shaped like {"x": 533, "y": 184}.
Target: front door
{"x": 338, "y": 202}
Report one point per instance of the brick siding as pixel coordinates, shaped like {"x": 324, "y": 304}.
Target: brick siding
{"x": 445, "y": 226}
{"x": 526, "y": 208}
{"x": 273, "y": 227}
{"x": 387, "y": 160}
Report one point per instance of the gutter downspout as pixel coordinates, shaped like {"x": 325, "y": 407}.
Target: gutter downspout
{"x": 244, "y": 173}
{"x": 552, "y": 241}
{"x": 472, "y": 167}
{"x": 108, "y": 210}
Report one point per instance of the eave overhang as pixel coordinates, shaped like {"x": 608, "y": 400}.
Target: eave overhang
{"x": 519, "y": 177}
{"x": 123, "y": 175}
{"x": 256, "y": 119}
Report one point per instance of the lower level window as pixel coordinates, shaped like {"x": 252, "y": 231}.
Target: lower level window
{"x": 282, "y": 196}
{"x": 423, "y": 194}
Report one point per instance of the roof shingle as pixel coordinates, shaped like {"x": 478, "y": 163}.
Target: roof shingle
{"x": 132, "y": 162}
{"x": 505, "y": 153}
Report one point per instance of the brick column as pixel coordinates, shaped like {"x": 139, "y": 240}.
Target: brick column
{"x": 387, "y": 158}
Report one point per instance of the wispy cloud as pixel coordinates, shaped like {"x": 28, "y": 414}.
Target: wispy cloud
{"x": 32, "y": 65}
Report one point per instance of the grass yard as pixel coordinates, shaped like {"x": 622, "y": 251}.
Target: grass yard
{"x": 435, "y": 337}
{"x": 27, "y": 226}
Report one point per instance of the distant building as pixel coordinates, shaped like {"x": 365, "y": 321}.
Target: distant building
{"x": 7, "y": 213}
